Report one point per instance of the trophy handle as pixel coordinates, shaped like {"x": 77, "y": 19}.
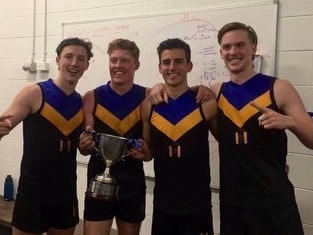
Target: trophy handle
{"x": 132, "y": 143}
{"x": 95, "y": 136}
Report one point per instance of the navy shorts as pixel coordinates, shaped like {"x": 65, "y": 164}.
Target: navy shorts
{"x": 283, "y": 220}
{"x": 34, "y": 217}
{"x": 129, "y": 209}
{"x": 190, "y": 224}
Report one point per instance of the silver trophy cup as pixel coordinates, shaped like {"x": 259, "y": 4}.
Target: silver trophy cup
{"x": 111, "y": 149}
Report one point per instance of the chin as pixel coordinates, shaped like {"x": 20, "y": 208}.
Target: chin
{"x": 235, "y": 70}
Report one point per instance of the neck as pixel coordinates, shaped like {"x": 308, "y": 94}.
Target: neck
{"x": 242, "y": 77}
{"x": 121, "y": 89}
{"x": 176, "y": 91}
{"x": 67, "y": 87}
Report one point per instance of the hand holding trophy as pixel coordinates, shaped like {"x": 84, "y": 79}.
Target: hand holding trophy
{"x": 111, "y": 149}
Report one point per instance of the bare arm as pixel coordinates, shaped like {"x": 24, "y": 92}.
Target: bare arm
{"x": 204, "y": 93}
{"x": 295, "y": 117}
{"x": 157, "y": 94}
{"x": 145, "y": 153}
{"x": 210, "y": 112}
{"x": 215, "y": 88}
{"x": 86, "y": 141}
{"x": 27, "y": 101}
{"x": 88, "y": 107}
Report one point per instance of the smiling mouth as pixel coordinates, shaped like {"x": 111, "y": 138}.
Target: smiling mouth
{"x": 234, "y": 59}
{"x": 173, "y": 74}
{"x": 119, "y": 72}
{"x": 73, "y": 70}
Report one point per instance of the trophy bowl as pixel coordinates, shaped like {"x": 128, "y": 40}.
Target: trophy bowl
{"x": 111, "y": 149}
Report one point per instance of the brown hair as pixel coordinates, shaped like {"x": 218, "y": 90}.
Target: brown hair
{"x": 124, "y": 44}
{"x": 238, "y": 26}
{"x": 85, "y": 43}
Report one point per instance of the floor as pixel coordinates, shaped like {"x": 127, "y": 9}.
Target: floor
{"x": 79, "y": 230}
{"x": 4, "y": 230}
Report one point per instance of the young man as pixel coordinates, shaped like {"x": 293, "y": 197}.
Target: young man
{"x": 114, "y": 108}
{"x": 256, "y": 196}
{"x": 52, "y": 117}
{"x": 177, "y": 132}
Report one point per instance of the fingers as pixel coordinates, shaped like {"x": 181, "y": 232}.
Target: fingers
{"x": 5, "y": 125}
{"x": 5, "y": 122}
{"x": 162, "y": 97}
{"x": 158, "y": 99}
{"x": 86, "y": 138}
{"x": 203, "y": 94}
{"x": 262, "y": 119}
{"x": 258, "y": 107}
{"x": 154, "y": 99}
{"x": 140, "y": 151}
{"x": 5, "y": 116}
{"x": 89, "y": 128}
{"x": 165, "y": 96}
{"x": 158, "y": 94}
{"x": 269, "y": 118}
{"x": 204, "y": 98}
{"x": 201, "y": 99}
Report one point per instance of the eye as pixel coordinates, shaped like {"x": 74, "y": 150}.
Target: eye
{"x": 179, "y": 61}
{"x": 68, "y": 56}
{"x": 226, "y": 47}
{"x": 125, "y": 60}
{"x": 166, "y": 62}
{"x": 113, "y": 60}
{"x": 241, "y": 45}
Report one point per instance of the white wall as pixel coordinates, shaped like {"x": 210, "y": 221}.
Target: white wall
{"x": 294, "y": 62}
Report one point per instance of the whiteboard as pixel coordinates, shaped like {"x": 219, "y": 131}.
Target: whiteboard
{"x": 198, "y": 28}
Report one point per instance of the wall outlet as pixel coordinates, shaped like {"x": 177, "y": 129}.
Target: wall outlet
{"x": 30, "y": 67}
{"x": 42, "y": 66}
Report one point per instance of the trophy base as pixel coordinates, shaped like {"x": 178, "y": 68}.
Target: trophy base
{"x": 102, "y": 190}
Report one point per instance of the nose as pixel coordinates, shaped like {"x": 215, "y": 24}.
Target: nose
{"x": 74, "y": 61}
{"x": 172, "y": 65}
{"x": 233, "y": 50}
{"x": 118, "y": 63}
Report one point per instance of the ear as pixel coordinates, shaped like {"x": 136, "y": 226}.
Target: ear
{"x": 221, "y": 54}
{"x": 190, "y": 66}
{"x": 57, "y": 60}
{"x": 87, "y": 66}
{"x": 137, "y": 65}
{"x": 159, "y": 66}
{"x": 254, "y": 48}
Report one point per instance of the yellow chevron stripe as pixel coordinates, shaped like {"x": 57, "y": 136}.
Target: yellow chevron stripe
{"x": 120, "y": 126}
{"x": 239, "y": 117}
{"x": 66, "y": 127}
{"x": 174, "y": 132}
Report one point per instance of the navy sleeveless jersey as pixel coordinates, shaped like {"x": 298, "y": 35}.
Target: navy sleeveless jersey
{"x": 181, "y": 158}
{"x": 48, "y": 167}
{"x": 120, "y": 116}
{"x": 252, "y": 159}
